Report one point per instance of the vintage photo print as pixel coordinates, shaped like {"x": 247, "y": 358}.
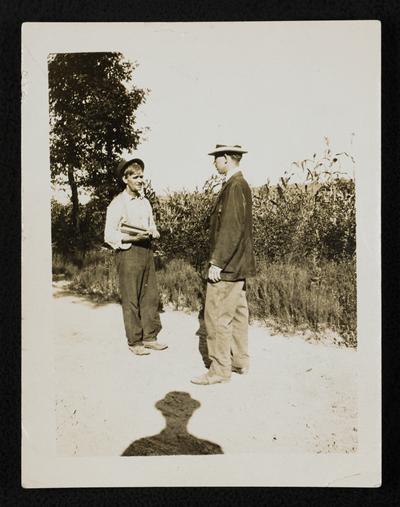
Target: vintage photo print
{"x": 201, "y": 254}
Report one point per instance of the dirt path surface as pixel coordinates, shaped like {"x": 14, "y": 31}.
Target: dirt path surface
{"x": 298, "y": 396}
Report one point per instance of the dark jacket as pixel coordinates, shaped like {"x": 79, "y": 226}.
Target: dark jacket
{"x": 231, "y": 230}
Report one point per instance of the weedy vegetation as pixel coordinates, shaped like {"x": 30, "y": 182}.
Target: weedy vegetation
{"x": 304, "y": 240}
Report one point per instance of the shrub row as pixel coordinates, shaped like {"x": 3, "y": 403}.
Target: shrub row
{"x": 286, "y": 297}
{"x": 304, "y": 241}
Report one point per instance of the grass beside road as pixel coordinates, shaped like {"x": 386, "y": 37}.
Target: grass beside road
{"x": 287, "y": 297}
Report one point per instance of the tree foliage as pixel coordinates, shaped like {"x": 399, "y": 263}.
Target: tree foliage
{"x": 92, "y": 120}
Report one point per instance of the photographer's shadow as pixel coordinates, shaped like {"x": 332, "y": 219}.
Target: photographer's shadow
{"x": 177, "y": 407}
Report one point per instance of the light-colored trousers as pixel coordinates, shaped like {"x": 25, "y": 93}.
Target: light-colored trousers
{"x": 226, "y": 317}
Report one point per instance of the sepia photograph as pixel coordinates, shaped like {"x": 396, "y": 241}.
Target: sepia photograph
{"x": 201, "y": 277}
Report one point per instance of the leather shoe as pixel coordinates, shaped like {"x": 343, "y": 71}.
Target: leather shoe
{"x": 139, "y": 350}
{"x": 241, "y": 371}
{"x": 206, "y": 380}
{"x": 154, "y": 345}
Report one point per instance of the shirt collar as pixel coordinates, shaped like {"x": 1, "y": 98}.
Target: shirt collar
{"x": 130, "y": 197}
{"x": 231, "y": 173}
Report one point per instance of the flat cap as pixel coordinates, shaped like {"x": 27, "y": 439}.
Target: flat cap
{"x": 119, "y": 172}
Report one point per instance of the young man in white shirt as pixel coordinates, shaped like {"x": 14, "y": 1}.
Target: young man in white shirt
{"x": 134, "y": 259}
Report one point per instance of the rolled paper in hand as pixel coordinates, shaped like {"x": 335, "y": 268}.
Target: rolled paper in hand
{"x": 131, "y": 232}
{"x": 132, "y": 229}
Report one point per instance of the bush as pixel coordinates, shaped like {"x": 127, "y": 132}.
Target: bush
{"x": 181, "y": 285}
{"x": 292, "y": 297}
{"x": 63, "y": 266}
{"x": 292, "y": 222}
{"x": 183, "y": 224}
{"x": 96, "y": 275}
{"x": 304, "y": 243}
{"x": 64, "y": 237}
{"x": 298, "y": 222}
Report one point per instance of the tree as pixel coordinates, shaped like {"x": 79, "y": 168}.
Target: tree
{"x": 92, "y": 120}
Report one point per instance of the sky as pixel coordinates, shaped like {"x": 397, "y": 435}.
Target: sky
{"x": 275, "y": 88}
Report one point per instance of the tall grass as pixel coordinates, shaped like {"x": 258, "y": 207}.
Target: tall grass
{"x": 64, "y": 266}
{"x": 287, "y": 297}
{"x": 94, "y": 274}
{"x": 293, "y": 297}
{"x": 180, "y": 284}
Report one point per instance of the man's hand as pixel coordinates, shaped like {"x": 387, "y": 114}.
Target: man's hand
{"x": 142, "y": 236}
{"x": 214, "y": 273}
{"x": 154, "y": 233}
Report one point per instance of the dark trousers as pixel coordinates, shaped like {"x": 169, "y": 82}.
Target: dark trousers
{"x": 139, "y": 294}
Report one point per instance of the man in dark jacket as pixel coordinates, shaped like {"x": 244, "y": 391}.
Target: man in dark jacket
{"x": 231, "y": 262}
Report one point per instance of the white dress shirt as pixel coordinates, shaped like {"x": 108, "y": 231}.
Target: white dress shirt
{"x": 124, "y": 208}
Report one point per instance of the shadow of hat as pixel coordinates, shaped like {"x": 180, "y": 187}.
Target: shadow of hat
{"x": 119, "y": 171}
{"x": 177, "y": 403}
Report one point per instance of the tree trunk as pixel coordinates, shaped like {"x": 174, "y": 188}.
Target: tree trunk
{"x": 75, "y": 203}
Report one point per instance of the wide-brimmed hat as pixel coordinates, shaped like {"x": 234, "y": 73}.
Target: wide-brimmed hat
{"x": 119, "y": 171}
{"x": 224, "y": 148}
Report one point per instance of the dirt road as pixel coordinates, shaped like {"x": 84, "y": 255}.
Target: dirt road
{"x": 298, "y": 397}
